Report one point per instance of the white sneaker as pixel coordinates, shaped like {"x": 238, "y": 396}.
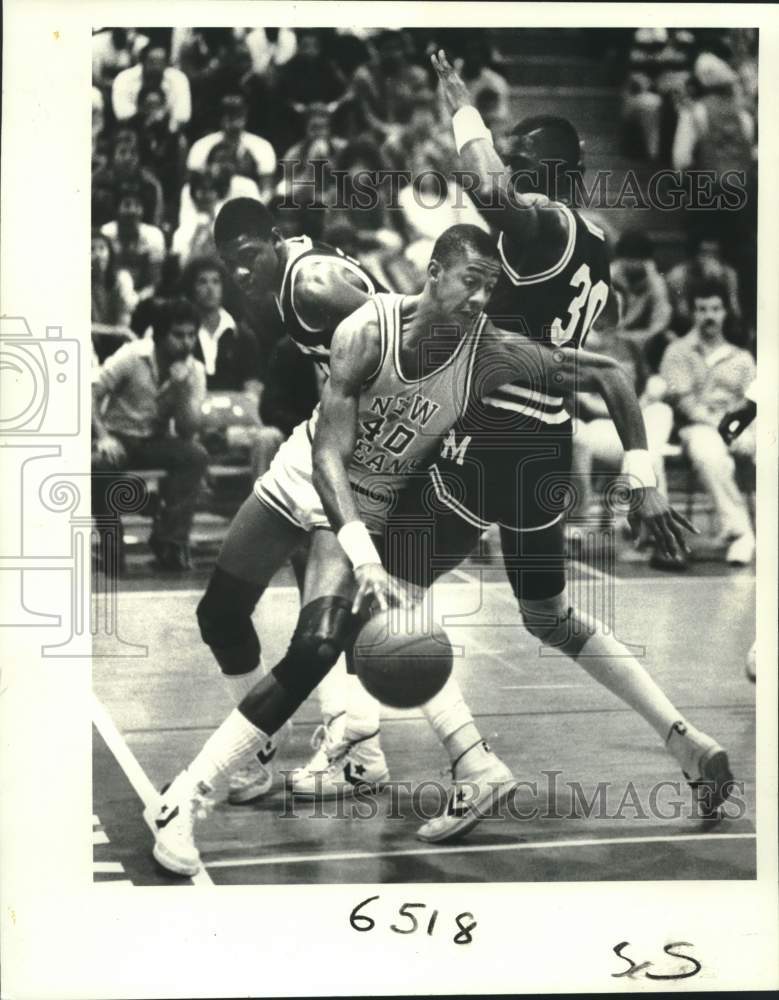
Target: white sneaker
{"x": 741, "y": 550}
{"x": 472, "y": 796}
{"x": 255, "y": 779}
{"x": 325, "y": 739}
{"x": 352, "y": 764}
{"x": 172, "y": 819}
{"x": 704, "y": 764}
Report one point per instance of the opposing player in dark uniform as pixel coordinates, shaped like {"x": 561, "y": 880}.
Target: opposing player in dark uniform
{"x": 506, "y": 461}
{"x": 314, "y": 286}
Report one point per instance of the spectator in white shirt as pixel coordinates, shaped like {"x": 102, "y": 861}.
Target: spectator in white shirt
{"x": 221, "y": 167}
{"x": 138, "y": 248}
{"x": 270, "y": 47}
{"x": 153, "y": 71}
{"x": 114, "y": 50}
{"x": 195, "y": 237}
{"x": 255, "y": 157}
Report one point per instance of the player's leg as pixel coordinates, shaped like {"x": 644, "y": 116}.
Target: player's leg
{"x": 535, "y": 567}
{"x": 480, "y": 779}
{"x": 350, "y": 742}
{"x": 258, "y": 543}
{"x": 332, "y": 693}
{"x": 325, "y": 627}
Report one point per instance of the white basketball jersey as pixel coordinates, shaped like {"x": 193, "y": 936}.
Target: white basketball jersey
{"x": 401, "y": 420}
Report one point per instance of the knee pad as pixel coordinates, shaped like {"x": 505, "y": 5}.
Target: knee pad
{"x": 325, "y": 628}
{"x": 548, "y": 621}
{"x": 224, "y": 615}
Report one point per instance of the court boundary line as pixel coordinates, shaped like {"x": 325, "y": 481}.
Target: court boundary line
{"x": 471, "y": 849}
{"x": 133, "y": 771}
{"x": 385, "y": 720}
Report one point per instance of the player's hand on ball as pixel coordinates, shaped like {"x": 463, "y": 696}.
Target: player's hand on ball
{"x": 456, "y": 93}
{"x": 663, "y": 524}
{"x": 374, "y": 583}
{"x": 110, "y": 449}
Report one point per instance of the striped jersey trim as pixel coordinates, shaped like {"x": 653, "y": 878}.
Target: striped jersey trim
{"x": 515, "y": 394}
{"x": 531, "y": 410}
{"x": 446, "y": 497}
{"x": 551, "y": 272}
{"x": 382, "y": 322}
{"x": 299, "y": 245}
{"x": 443, "y": 494}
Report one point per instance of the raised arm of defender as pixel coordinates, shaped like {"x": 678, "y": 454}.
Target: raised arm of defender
{"x": 527, "y": 220}
{"x": 561, "y": 371}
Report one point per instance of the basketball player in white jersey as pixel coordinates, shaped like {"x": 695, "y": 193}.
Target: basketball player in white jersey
{"x": 402, "y": 370}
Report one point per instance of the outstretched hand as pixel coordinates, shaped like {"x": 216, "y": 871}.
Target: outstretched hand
{"x": 664, "y": 524}
{"x": 456, "y": 93}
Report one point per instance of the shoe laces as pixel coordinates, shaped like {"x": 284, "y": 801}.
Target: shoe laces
{"x": 336, "y": 752}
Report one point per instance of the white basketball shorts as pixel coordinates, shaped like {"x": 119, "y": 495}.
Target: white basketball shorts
{"x": 287, "y": 486}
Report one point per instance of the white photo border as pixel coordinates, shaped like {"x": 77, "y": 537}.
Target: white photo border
{"x": 64, "y": 937}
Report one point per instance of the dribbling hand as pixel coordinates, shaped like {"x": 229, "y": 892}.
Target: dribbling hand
{"x": 663, "y": 523}
{"x": 374, "y": 584}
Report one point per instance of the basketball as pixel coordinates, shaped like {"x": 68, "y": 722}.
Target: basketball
{"x": 402, "y": 660}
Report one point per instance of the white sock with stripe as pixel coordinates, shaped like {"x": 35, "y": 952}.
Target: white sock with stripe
{"x": 453, "y": 724}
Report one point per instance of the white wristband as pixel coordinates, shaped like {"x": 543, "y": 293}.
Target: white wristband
{"x": 637, "y": 464}
{"x": 356, "y": 543}
{"x": 467, "y": 125}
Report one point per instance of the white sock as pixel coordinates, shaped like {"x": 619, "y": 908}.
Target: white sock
{"x": 607, "y": 661}
{"x": 362, "y": 710}
{"x": 239, "y": 685}
{"x": 453, "y": 724}
{"x": 333, "y": 690}
{"x": 235, "y": 740}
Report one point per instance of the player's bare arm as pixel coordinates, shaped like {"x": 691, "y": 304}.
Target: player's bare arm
{"x": 562, "y": 371}
{"x": 326, "y": 293}
{"x": 527, "y": 220}
{"x": 355, "y": 354}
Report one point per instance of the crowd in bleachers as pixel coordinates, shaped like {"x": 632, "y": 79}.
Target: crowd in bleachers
{"x": 184, "y": 119}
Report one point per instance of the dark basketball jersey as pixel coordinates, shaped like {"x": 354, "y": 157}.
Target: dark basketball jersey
{"x": 506, "y": 458}
{"x": 314, "y": 341}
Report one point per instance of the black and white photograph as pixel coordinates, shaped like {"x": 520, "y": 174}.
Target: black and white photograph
{"x": 407, "y": 521}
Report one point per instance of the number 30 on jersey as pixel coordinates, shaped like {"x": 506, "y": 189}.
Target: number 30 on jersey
{"x": 585, "y": 306}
